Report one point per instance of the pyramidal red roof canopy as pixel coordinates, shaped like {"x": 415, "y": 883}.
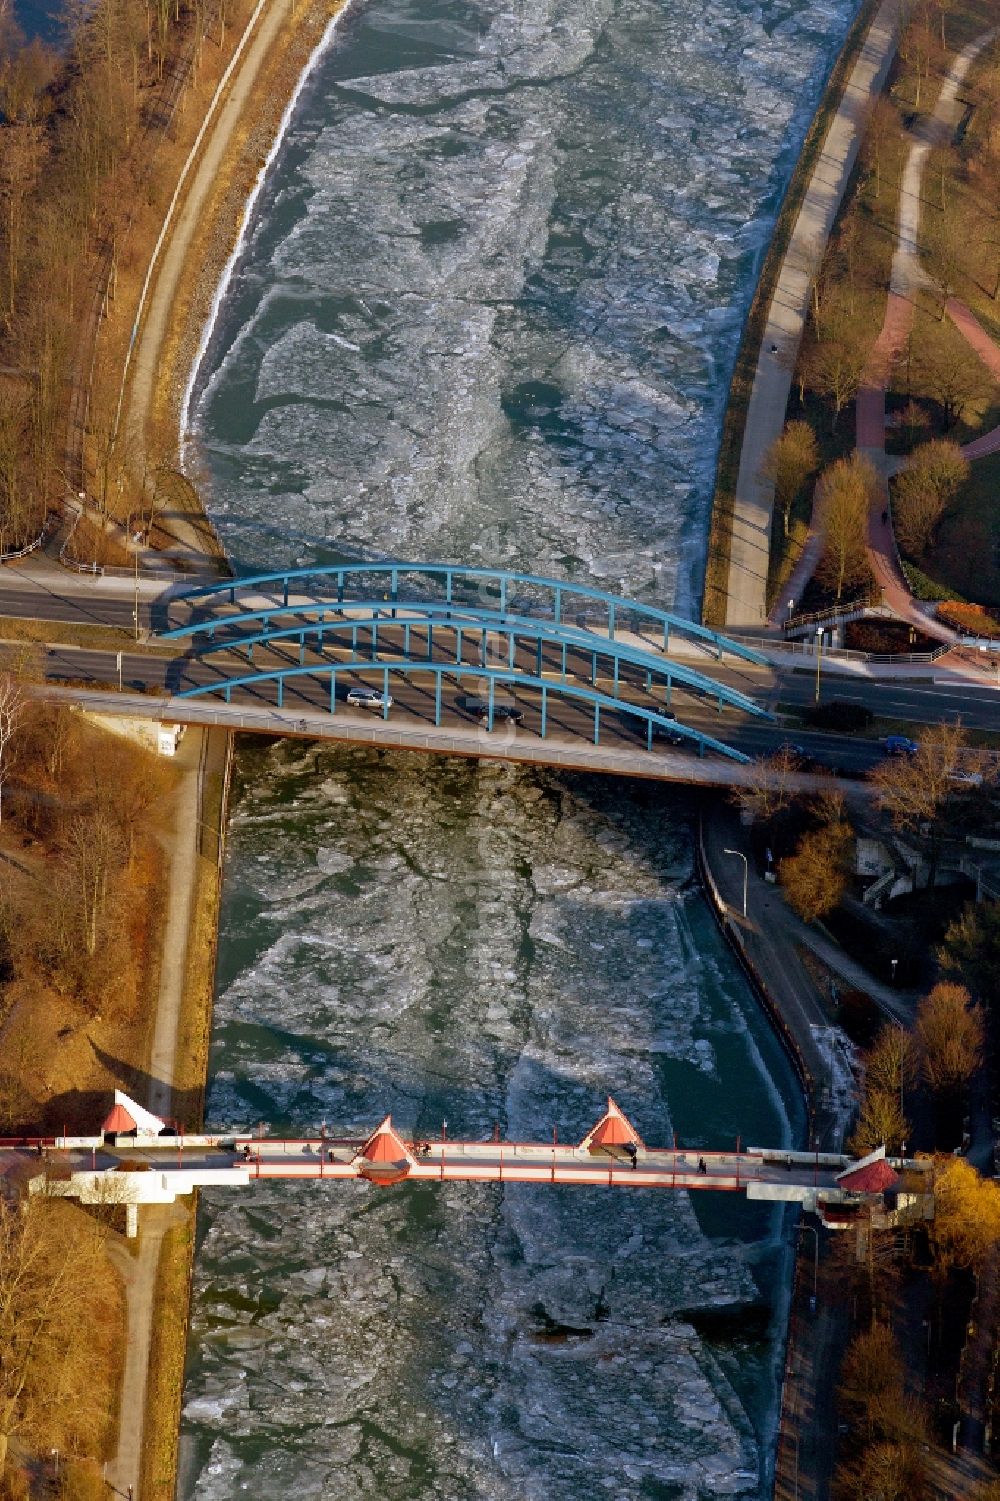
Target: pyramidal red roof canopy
{"x": 872, "y": 1178}
{"x": 118, "y": 1121}
{"x": 385, "y": 1145}
{"x": 614, "y": 1129}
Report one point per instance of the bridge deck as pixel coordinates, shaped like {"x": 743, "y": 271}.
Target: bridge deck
{"x": 242, "y": 1160}
{"x": 620, "y": 753}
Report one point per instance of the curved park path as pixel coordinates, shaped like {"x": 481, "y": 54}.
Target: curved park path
{"x": 907, "y": 278}
{"x": 754, "y": 501}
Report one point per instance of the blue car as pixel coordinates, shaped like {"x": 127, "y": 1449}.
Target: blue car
{"x": 900, "y": 745}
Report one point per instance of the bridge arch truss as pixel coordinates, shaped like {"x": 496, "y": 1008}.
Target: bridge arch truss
{"x": 489, "y": 589}
{"x": 431, "y": 636}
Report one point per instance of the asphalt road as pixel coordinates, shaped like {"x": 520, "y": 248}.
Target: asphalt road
{"x": 68, "y": 598}
{"x": 413, "y": 700}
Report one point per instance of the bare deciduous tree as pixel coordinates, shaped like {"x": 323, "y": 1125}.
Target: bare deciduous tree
{"x": 966, "y": 1224}
{"x": 815, "y": 877}
{"x": 952, "y": 376}
{"x": 915, "y": 790}
{"x": 769, "y": 788}
{"x": 890, "y": 1063}
{"x": 47, "y": 1303}
{"x": 880, "y": 1123}
{"x": 833, "y": 367}
{"x": 950, "y": 1034}
{"x": 924, "y": 490}
{"x": 881, "y": 134}
{"x": 918, "y": 49}
{"x": 93, "y": 849}
{"x": 788, "y": 463}
{"x": 11, "y": 714}
{"x": 844, "y": 496}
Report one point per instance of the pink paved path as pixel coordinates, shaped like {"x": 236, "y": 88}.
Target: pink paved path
{"x": 870, "y": 402}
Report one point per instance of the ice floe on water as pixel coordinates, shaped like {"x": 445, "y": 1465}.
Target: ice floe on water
{"x": 487, "y": 312}
{"x": 471, "y": 946}
{"x": 490, "y": 303}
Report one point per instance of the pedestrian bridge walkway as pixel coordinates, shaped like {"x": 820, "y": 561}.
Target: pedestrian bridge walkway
{"x": 453, "y": 647}
{"x": 136, "y": 1158}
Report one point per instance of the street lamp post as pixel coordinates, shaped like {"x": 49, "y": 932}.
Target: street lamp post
{"x": 791, "y": 607}
{"x": 746, "y": 874}
{"x": 819, "y": 656}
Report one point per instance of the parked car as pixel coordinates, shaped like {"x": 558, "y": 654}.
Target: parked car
{"x": 368, "y": 698}
{"x": 900, "y": 745}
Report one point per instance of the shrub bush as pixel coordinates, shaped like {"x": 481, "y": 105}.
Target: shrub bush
{"x": 974, "y": 620}
{"x": 925, "y": 588}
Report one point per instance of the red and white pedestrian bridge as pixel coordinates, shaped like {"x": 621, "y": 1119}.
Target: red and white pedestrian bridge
{"x": 138, "y": 1159}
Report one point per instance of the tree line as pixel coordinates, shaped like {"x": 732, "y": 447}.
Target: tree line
{"x": 78, "y": 128}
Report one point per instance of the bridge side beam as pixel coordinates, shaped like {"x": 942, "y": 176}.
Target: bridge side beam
{"x": 556, "y": 587}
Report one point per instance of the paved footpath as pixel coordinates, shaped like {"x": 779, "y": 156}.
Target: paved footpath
{"x": 907, "y": 279}
{"x": 140, "y": 1272}
{"x": 751, "y": 538}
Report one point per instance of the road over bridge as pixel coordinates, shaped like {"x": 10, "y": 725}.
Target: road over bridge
{"x": 598, "y": 679}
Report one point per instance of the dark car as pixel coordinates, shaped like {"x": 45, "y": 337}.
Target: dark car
{"x": 502, "y": 709}
{"x": 668, "y": 736}
{"x": 900, "y": 745}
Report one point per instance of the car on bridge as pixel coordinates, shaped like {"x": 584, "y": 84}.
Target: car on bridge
{"x": 672, "y": 737}
{"x": 368, "y": 698}
{"x": 503, "y": 709}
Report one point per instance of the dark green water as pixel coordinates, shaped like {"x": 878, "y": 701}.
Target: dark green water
{"x": 486, "y": 311}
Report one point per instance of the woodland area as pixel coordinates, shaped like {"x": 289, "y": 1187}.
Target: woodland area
{"x": 911, "y": 1292}
{"x": 80, "y": 133}
{"x": 80, "y": 895}
{"x": 79, "y": 899}
{"x": 940, "y": 394}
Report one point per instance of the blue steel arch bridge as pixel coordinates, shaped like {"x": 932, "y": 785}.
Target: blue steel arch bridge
{"x": 450, "y": 643}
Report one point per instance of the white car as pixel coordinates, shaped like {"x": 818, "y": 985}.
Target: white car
{"x": 368, "y": 698}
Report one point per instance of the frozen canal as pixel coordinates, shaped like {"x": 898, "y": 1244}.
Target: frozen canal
{"x": 487, "y": 311}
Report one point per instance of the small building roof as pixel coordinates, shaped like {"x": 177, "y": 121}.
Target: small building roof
{"x": 870, "y": 1175}
{"x": 614, "y": 1129}
{"x": 117, "y": 1120}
